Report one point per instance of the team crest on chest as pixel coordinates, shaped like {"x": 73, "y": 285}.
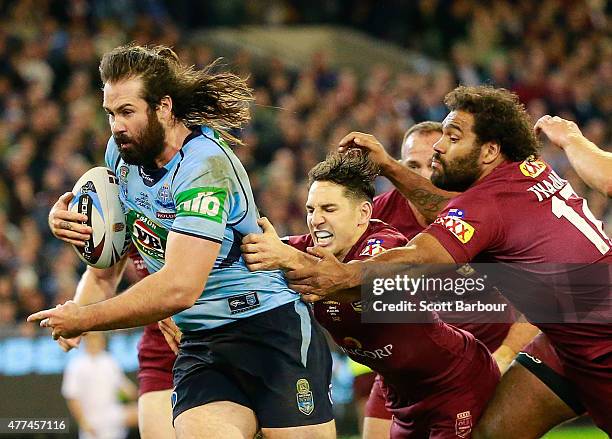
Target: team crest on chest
{"x": 373, "y": 247}
{"x": 164, "y": 197}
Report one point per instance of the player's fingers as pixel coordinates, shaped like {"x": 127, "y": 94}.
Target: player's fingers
{"x": 299, "y": 276}
{"x": 76, "y": 236}
{"x": 319, "y": 252}
{"x": 301, "y": 288}
{"x": 66, "y": 197}
{"x": 250, "y": 249}
{"x": 310, "y": 298}
{"x": 63, "y": 343}
{"x": 70, "y": 224}
{"x": 348, "y": 138}
{"x": 266, "y": 225}
{"x": 251, "y": 238}
{"x": 40, "y": 315}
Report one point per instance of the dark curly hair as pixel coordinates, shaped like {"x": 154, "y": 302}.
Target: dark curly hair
{"x": 353, "y": 170}
{"x": 199, "y": 97}
{"x": 498, "y": 117}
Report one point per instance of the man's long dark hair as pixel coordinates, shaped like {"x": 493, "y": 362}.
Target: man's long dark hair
{"x": 199, "y": 97}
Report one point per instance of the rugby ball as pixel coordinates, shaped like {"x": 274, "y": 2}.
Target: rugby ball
{"x": 96, "y": 194}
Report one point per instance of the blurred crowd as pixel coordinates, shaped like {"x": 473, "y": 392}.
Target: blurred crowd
{"x": 556, "y": 54}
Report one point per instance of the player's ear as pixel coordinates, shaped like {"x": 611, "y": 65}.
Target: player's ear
{"x": 164, "y": 109}
{"x": 490, "y": 152}
{"x": 365, "y": 212}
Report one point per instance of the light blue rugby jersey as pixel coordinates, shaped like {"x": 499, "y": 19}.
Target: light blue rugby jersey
{"x": 203, "y": 191}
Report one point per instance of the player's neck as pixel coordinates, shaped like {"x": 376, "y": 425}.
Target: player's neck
{"x": 175, "y": 136}
{"x": 359, "y": 231}
{"x": 490, "y": 167}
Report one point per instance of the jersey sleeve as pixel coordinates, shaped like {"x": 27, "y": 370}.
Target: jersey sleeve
{"x": 469, "y": 225}
{"x": 379, "y": 242}
{"x": 299, "y": 242}
{"x": 203, "y": 192}
{"x": 111, "y": 156}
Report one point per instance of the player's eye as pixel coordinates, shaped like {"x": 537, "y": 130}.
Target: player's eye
{"x": 454, "y": 139}
{"x": 413, "y": 166}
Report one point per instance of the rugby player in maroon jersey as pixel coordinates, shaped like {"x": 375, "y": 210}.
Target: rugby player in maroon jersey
{"x": 436, "y": 379}
{"x": 503, "y": 338}
{"x": 514, "y": 209}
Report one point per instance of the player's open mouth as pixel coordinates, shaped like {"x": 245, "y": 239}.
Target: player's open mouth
{"x": 323, "y": 237}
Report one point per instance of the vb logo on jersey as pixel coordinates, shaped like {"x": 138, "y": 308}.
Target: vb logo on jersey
{"x": 462, "y": 230}
{"x": 373, "y": 247}
{"x": 206, "y": 202}
{"x": 149, "y": 237}
{"x": 532, "y": 167}
{"x": 305, "y": 399}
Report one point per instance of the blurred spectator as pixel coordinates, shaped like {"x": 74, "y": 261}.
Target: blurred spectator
{"x": 93, "y": 386}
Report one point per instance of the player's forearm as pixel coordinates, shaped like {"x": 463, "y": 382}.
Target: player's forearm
{"x": 520, "y": 333}
{"x": 428, "y": 199}
{"x": 592, "y": 164}
{"x": 152, "y": 299}
{"x": 96, "y": 285}
{"x": 295, "y": 259}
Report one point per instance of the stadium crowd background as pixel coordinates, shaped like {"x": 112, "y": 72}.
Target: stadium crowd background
{"x": 555, "y": 54}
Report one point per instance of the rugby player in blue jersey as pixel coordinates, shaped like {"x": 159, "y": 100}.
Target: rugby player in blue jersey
{"x": 250, "y": 357}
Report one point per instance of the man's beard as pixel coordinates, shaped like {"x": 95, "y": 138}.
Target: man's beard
{"x": 149, "y": 145}
{"x": 458, "y": 175}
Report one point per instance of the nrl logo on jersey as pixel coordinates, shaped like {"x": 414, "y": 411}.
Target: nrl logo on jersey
{"x": 373, "y": 247}
{"x": 461, "y": 229}
{"x": 532, "y": 167}
{"x": 123, "y": 178}
{"x": 206, "y": 202}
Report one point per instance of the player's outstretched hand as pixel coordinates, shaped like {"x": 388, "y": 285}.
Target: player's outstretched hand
{"x": 67, "y": 225}
{"x": 172, "y": 333}
{"x": 559, "y": 131}
{"x": 265, "y": 251}
{"x": 326, "y": 277}
{"x": 64, "y": 320}
{"x": 368, "y": 144}
{"x": 69, "y": 343}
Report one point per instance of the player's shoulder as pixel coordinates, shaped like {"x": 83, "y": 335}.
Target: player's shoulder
{"x": 386, "y": 233}
{"x": 204, "y": 153}
{"x": 204, "y": 143}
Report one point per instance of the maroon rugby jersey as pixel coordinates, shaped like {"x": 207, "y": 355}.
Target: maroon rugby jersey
{"x": 418, "y": 358}
{"x": 524, "y": 213}
{"x": 393, "y": 208}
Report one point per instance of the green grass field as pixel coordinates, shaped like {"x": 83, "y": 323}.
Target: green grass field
{"x": 577, "y": 433}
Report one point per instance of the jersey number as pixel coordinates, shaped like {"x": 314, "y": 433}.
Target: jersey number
{"x": 593, "y": 231}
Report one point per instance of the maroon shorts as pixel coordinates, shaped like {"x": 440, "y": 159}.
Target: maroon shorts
{"x": 490, "y": 334}
{"x": 155, "y": 361}
{"x": 444, "y": 415}
{"x": 362, "y": 385}
{"x": 376, "y": 404}
{"x": 582, "y": 384}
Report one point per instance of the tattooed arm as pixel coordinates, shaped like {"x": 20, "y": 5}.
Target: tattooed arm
{"x": 426, "y": 198}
